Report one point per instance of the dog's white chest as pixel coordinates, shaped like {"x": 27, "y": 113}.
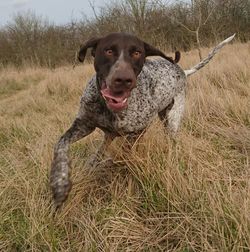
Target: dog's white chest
{"x": 139, "y": 114}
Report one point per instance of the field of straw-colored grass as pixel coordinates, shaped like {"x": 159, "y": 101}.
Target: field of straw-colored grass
{"x": 191, "y": 194}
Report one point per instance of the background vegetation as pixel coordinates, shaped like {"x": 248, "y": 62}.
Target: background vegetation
{"x": 29, "y": 39}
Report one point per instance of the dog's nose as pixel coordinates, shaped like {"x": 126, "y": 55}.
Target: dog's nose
{"x": 123, "y": 81}
{"x": 123, "y": 77}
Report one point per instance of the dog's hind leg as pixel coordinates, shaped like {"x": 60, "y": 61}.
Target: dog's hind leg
{"x": 171, "y": 116}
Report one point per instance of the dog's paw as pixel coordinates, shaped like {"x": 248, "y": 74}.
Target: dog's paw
{"x": 94, "y": 162}
{"x": 106, "y": 163}
{"x": 60, "y": 182}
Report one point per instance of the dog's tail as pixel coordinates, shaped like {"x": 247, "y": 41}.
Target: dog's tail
{"x": 209, "y": 57}
{"x": 177, "y": 57}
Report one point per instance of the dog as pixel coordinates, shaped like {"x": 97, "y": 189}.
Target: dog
{"x": 124, "y": 96}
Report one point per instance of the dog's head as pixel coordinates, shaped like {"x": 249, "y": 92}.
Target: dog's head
{"x": 118, "y": 60}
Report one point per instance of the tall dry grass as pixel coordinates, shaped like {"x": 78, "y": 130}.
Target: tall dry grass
{"x": 189, "y": 195}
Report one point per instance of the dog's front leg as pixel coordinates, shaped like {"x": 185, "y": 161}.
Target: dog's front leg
{"x": 96, "y": 158}
{"x": 60, "y": 171}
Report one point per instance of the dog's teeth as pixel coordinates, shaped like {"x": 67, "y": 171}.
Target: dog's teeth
{"x": 124, "y": 100}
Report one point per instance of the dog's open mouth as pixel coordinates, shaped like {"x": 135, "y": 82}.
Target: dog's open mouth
{"x": 115, "y": 101}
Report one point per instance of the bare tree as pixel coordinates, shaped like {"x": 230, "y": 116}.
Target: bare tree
{"x": 200, "y": 12}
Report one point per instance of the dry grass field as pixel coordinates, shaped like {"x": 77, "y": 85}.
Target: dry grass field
{"x": 192, "y": 194}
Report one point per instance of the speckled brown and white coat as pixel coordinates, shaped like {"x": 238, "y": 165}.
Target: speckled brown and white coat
{"x": 159, "y": 91}
{"x": 159, "y": 84}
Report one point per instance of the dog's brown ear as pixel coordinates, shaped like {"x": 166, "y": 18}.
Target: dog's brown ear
{"x": 91, "y": 43}
{"x": 152, "y": 51}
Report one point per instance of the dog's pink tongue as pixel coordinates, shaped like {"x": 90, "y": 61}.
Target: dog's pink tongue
{"x": 107, "y": 93}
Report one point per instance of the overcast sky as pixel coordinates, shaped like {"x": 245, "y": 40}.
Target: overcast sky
{"x": 57, "y": 11}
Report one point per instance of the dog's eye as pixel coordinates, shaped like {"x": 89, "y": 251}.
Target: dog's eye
{"x": 136, "y": 55}
{"x": 109, "y": 52}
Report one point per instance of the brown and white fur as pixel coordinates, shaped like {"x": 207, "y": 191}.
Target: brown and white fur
{"x": 123, "y": 98}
